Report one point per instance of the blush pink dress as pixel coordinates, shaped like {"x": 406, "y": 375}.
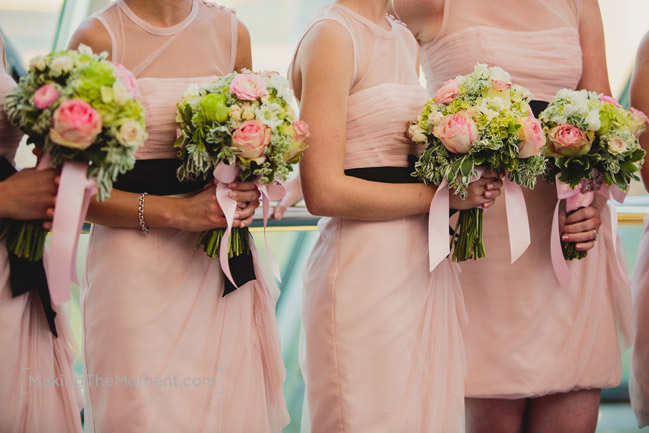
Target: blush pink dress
{"x": 527, "y": 336}
{"x": 38, "y": 390}
{"x": 639, "y": 380}
{"x": 382, "y": 348}
{"x": 181, "y": 357}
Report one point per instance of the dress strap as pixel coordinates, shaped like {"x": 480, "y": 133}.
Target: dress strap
{"x": 442, "y": 29}
{"x": 235, "y": 39}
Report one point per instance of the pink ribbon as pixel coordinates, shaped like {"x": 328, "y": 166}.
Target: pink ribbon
{"x": 517, "y": 221}
{"x": 224, "y": 175}
{"x": 575, "y": 199}
{"x": 73, "y": 199}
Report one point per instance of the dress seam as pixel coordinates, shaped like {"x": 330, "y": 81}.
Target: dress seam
{"x": 340, "y": 230}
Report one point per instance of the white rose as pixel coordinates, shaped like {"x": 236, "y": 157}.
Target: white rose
{"x": 594, "y": 122}
{"x": 617, "y": 145}
{"x": 61, "y": 65}
{"x": 417, "y": 134}
{"x": 131, "y": 134}
{"x": 248, "y": 112}
{"x": 435, "y": 118}
{"x": 121, "y": 94}
{"x": 38, "y": 63}
{"x": 235, "y": 113}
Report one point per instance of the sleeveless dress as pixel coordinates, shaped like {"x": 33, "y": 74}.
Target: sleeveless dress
{"x": 639, "y": 377}
{"x": 164, "y": 351}
{"x": 382, "y": 348}
{"x": 38, "y": 390}
{"x": 527, "y": 335}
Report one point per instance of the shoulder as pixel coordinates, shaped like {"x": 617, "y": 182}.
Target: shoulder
{"x": 92, "y": 32}
{"x": 643, "y": 50}
{"x": 328, "y": 32}
{"x": 216, "y": 10}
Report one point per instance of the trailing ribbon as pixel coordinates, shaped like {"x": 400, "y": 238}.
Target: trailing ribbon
{"x": 224, "y": 175}
{"x": 575, "y": 199}
{"x": 72, "y": 202}
{"x": 517, "y": 220}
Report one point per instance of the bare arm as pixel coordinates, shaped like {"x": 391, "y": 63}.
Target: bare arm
{"x": 640, "y": 96}
{"x": 244, "y": 50}
{"x": 197, "y": 213}
{"x": 324, "y": 69}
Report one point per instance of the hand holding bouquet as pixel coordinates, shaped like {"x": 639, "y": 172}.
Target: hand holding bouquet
{"x": 592, "y": 145}
{"x": 477, "y": 122}
{"x": 239, "y": 127}
{"x": 82, "y": 114}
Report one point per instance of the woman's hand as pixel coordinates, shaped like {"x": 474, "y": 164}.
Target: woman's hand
{"x": 202, "y": 212}
{"x": 480, "y": 194}
{"x": 293, "y": 195}
{"x": 29, "y": 194}
{"x": 582, "y": 226}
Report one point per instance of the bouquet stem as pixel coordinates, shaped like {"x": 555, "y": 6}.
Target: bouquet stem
{"x": 211, "y": 242}
{"x": 570, "y": 251}
{"x": 467, "y": 240}
{"x": 25, "y": 239}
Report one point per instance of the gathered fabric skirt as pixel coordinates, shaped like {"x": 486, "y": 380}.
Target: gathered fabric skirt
{"x": 38, "y": 389}
{"x": 528, "y": 336}
{"x": 381, "y": 348}
{"x": 165, "y": 352}
{"x": 639, "y": 380}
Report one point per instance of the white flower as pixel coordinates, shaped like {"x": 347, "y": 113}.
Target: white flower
{"x": 130, "y": 133}
{"x": 248, "y": 111}
{"x": 481, "y": 70}
{"x": 435, "y": 117}
{"x": 283, "y": 89}
{"x": 85, "y": 49}
{"x": 38, "y": 63}
{"x": 593, "y": 120}
{"x": 522, "y": 92}
{"x": 120, "y": 94}
{"x": 499, "y": 74}
{"x": 235, "y": 113}
{"x": 192, "y": 90}
{"x": 270, "y": 115}
{"x": 417, "y": 134}
{"x": 61, "y": 65}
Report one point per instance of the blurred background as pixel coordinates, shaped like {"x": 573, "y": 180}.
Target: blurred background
{"x": 33, "y": 27}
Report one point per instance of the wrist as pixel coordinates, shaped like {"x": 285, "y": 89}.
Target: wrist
{"x": 162, "y": 212}
{"x": 5, "y": 201}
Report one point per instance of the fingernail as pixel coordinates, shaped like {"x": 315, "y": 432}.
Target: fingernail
{"x": 564, "y": 238}
{"x": 580, "y": 247}
{"x": 233, "y": 194}
{"x": 236, "y": 215}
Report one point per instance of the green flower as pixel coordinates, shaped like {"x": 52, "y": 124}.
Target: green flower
{"x": 213, "y": 108}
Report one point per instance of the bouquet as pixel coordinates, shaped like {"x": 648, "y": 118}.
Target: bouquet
{"x": 81, "y": 112}
{"x": 239, "y": 127}
{"x": 476, "y": 122}
{"x": 592, "y": 145}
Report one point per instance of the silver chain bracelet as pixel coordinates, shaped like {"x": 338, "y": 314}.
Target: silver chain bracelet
{"x": 140, "y": 214}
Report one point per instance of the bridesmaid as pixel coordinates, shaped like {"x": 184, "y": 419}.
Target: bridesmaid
{"x": 152, "y": 304}
{"x": 37, "y": 345}
{"x": 382, "y": 345}
{"x": 639, "y": 381}
{"x": 537, "y": 354}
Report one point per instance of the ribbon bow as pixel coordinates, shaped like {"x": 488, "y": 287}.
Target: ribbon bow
{"x": 224, "y": 175}
{"x": 517, "y": 222}
{"x": 576, "y": 199}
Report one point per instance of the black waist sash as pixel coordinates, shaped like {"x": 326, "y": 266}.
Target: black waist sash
{"x": 538, "y": 106}
{"x": 25, "y": 275}
{"x": 158, "y": 177}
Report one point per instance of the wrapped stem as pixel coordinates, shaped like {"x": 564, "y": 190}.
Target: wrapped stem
{"x": 25, "y": 239}
{"x": 211, "y": 242}
{"x": 467, "y": 240}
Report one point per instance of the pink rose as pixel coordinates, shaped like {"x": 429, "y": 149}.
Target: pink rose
{"x": 46, "y": 95}
{"x": 127, "y": 78}
{"x": 500, "y": 86}
{"x": 568, "y": 140}
{"x": 457, "y": 132}
{"x": 447, "y": 92}
{"x": 640, "y": 122}
{"x": 75, "y": 124}
{"x": 268, "y": 74}
{"x": 300, "y": 132}
{"x": 248, "y": 87}
{"x": 251, "y": 138}
{"x": 609, "y": 100}
{"x": 532, "y": 136}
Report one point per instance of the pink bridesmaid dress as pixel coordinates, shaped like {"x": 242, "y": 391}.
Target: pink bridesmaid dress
{"x": 181, "y": 357}
{"x": 38, "y": 390}
{"x": 639, "y": 380}
{"x": 527, "y": 336}
{"x": 382, "y": 348}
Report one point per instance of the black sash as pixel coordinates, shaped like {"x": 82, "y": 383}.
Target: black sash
{"x": 25, "y": 275}
{"x": 538, "y": 107}
{"x": 392, "y": 175}
{"x": 158, "y": 177}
